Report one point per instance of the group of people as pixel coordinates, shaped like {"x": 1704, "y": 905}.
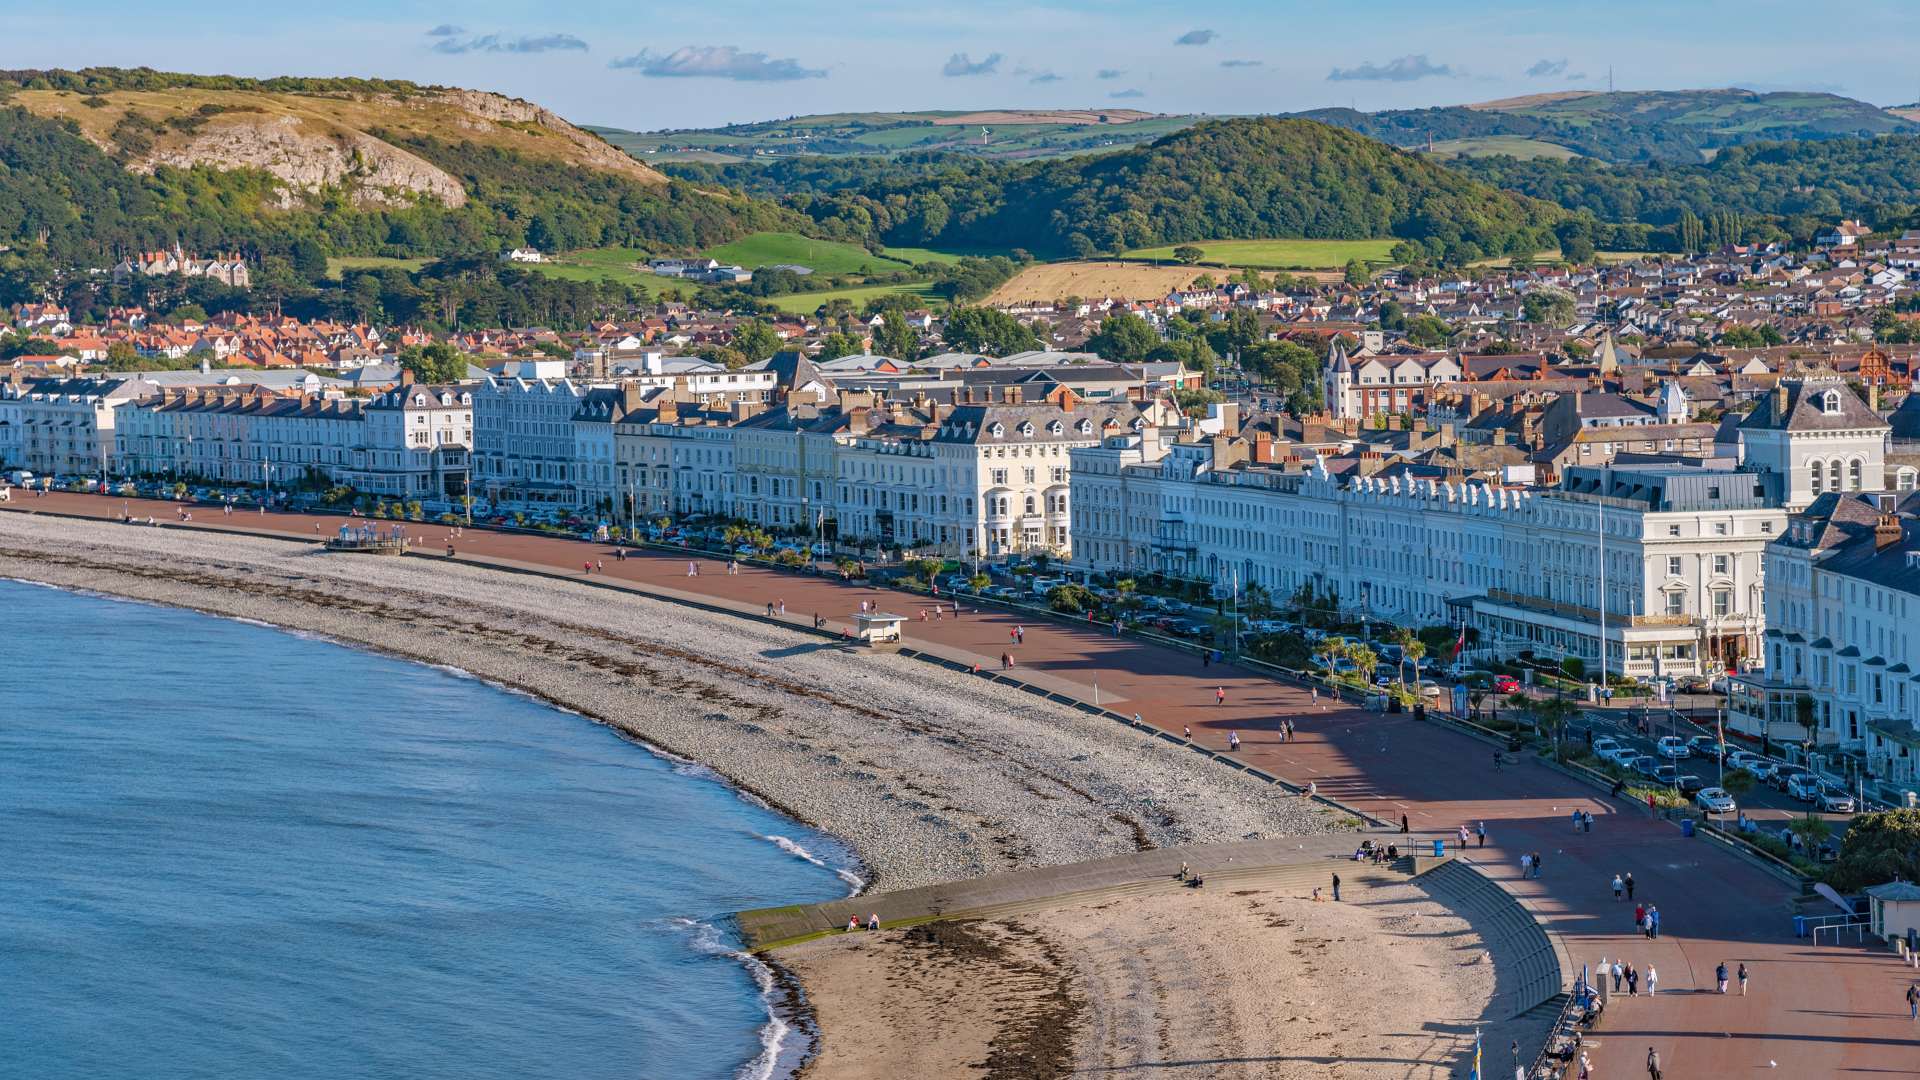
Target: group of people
{"x": 1530, "y": 865}
{"x": 1632, "y": 977}
{"x": 873, "y": 922}
{"x": 1646, "y": 919}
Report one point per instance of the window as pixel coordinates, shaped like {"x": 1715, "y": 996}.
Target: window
{"x": 1833, "y": 475}
{"x": 1830, "y": 402}
{"x": 1722, "y": 603}
{"x": 1719, "y": 528}
{"x": 1813, "y": 475}
{"x": 999, "y": 476}
{"x": 1677, "y": 602}
{"x": 1673, "y": 530}
{"x": 1853, "y": 475}
{"x": 1673, "y": 566}
{"x": 1722, "y": 565}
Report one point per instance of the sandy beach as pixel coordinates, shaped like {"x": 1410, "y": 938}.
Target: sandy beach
{"x": 1229, "y": 984}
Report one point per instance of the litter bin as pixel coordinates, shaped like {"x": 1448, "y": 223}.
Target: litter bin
{"x": 1799, "y": 926}
{"x": 1439, "y": 849}
{"x": 1686, "y": 828}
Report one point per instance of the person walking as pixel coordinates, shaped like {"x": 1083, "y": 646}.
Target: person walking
{"x": 1403, "y": 823}
{"x": 1913, "y": 1002}
{"x": 1653, "y": 980}
{"x": 1653, "y": 921}
{"x": 1629, "y": 884}
{"x": 1633, "y": 981}
{"x": 1336, "y": 888}
{"x": 1720, "y": 976}
{"x": 1526, "y": 865}
{"x": 1219, "y": 695}
{"x": 1206, "y": 658}
{"x": 1480, "y": 830}
{"x": 1233, "y": 740}
{"x": 1639, "y": 916}
{"x": 1618, "y": 971}
{"x": 1619, "y": 887}
{"x": 1586, "y": 1067}
{"x": 1743, "y": 978}
{"x": 1576, "y": 821}
{"x": 1586, "y": 821}
{"x": 1653, "y": 1064}
{"x": 1536, "y": 864}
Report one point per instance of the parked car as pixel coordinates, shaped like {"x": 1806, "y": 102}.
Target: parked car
{"x": 1672, "y": 746}
{"x": 1603, "y": 746}
{"x": 1707, "y": 746}
{"x": 1623, "y": 756}
{"x": 1667, "y": 774}
{"x": 1757, "y": 767}
{"x": 1835, "y": 801}
{"x": 1715, "y": 800}
{"x": 1689, "y": 784}
{"x": 1804, "y": 786}
{"x": 1784, "y": 775}
{"x": 1646, "y": 765}
{"x": 1506, "y": 684}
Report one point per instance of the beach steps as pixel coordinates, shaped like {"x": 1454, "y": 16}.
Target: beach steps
{"x": 1269, "y": 865}
{"x": 1527, "y": 968}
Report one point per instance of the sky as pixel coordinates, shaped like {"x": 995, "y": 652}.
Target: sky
{"x": 646, "y": 66}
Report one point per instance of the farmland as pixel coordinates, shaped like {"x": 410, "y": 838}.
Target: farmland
{"x": 806, "y": 302}
{"x": 1278, "y": 254}
{"x": 1121, "y": 280}
{"x": 338, "y": 263}
{"x": 824, "y": 256}
{"x": 1514, "y": 145}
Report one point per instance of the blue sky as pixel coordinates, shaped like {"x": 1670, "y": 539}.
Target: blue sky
{"x": 648, "y": 65}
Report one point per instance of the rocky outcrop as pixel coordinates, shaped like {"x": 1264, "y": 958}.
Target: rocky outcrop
{"x": 481, "y": 111}
{"x": 308, "y": 156}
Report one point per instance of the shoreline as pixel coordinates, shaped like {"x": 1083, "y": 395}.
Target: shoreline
{"x": 1056, "y": 786}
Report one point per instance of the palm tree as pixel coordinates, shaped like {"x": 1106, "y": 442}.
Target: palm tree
{"x": 1550, "y": 716}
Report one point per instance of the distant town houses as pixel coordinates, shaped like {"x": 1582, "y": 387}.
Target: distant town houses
{"x": 227, "y": 269}
{"x": 706, "y": 271}
{"x": 523, "y": 255}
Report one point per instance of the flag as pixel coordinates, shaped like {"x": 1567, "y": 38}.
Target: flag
{"x": 1459, "y": 643}
{"x": 1475, "y": 1074}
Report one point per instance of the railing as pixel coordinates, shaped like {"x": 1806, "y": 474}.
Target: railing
{"x": 1857, "y": 923}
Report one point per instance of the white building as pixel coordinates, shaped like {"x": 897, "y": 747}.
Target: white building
{"x": 523, "y": 442}
{"x": 1817, "y": 434}
{"x": 63, "y": 427}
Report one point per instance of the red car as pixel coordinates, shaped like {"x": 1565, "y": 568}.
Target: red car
{"x": 1506, "y": 684}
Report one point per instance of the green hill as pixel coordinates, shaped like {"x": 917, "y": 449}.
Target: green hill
{"x": 1245, "y": 178}
{"x": 1000, "y": 134}
{"x": 1651, "y": 125}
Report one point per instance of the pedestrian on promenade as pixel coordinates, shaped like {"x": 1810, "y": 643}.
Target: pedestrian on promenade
{"x": 1619, "y": 887}
{"x": 620, "y": 554}
{"x": 1006, "y": 661}
{"x": 1653, "y": 981}
{"x": 1316, "y": 695}
{"x": 1653, "y": 917}
{"x": 1187, "y": 730}
{"x": 1480, "y": 830}
{"x": 1233, "y": 743}
{"x": 586, "y": 568}
{"x": 1336, "y": 888}
{"x": 1313, "y": 789}
{"x": 1576, "y": 821}
{"x": 783, "y": 608}
{"x": 1913, "y": 1002}
{"x": 1586, "y": 818}
{"x": 693, "y": 568}
{"x": 1653, "y": 1064}
{"x": 1219, "y": 695}
{"x": 1743, "y": 978}
{"x": 1629, "y": 884}
{"x": 1720, "y": 976}
{"x": 1526, "y": 865}
{"x": 1206, "y": 657}
{"x": 769, "y": 609}
{"x": 1639, "y": 916}
{"x": 599, "y": 566}
{"x": 1586, "y": 1069}
{"x": 1633, "y": 981}
{"x": 733, "y": 568}
{"x": 1403, "y": 823}
{"x": 1617, "y": 972}
{"x": 1536, "y": 864}
{"x": 449, "y": 549}
{"x": 1019, "y": 635}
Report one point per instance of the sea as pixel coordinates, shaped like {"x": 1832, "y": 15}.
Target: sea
{"x": 228, "y": 851}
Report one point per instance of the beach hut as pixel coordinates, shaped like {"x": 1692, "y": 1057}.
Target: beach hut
{"x": 878, "y": 628}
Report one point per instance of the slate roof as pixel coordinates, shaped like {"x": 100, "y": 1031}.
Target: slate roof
{"x": 1803, "y": 410}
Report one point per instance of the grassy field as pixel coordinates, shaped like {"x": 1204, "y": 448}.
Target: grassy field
{"x": 1043, "y": 282}
{"x": 601, "y": 264}
{"x": 917, "y": 255}
{"x": 824, "y": 256}
{"x": 805, "y": 303}
{"x": 1512, "y": 145}
{"x": 1279, "y": 254}
{"x": 335, "y": 264}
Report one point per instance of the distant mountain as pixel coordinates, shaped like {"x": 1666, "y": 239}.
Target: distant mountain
{"x": 1004, "y": 134}
{"x": 1240, "y": 178}
{"x": 107, "y": 159}
{"x": 1655, "y": 125}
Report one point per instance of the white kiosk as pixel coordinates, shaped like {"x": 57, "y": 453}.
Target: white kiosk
{"x": 878, "y": 628}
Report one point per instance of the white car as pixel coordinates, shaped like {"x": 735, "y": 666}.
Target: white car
{"x": 1715, "y": 800}
{"x": 1604, "y": 747}
{"x": 1672, "y": 746}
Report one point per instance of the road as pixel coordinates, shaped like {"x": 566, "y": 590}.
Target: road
{"x": 1824, "y": 1012}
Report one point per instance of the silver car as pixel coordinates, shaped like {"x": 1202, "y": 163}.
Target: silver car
{"x": 1715, "y": 800}
{"x": 1834, "y": 801}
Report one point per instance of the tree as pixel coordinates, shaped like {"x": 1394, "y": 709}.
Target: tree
{"x": 1124, "y": 338}
{"x": 1550, "y": 716}
{"x": 1428, "y": 330}
{"x": 755, "y": 340}
{"x": 1803, "y": 711}
{"x": 435, "y": 363}
{"x": 1878, "y": 848}
{"x": 1071, "y": 599}
{"x": 836, "y": 345}
{"x": 1357, "y": 273}
{"x": 1187, "y": 254}
{"x": 988, "y": 332}
{"x": 1550, "y": 306}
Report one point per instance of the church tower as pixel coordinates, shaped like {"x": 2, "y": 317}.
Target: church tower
{"x": 1341, "y": 399}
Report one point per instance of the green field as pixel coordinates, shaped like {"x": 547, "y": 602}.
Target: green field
{"x": 335, "y": 264}
{"x": 917, "y": 255}
{"x": 1511, "y": 145}
{"x": 600, "y": 264}
{"x": 1279, "y": 254}
{"x": 824, "y": 256}
{"x": 805, "y": 303}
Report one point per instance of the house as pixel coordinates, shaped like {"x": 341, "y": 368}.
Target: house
{"x": 523, "y": 255}
{"x": 1845, "y": 234}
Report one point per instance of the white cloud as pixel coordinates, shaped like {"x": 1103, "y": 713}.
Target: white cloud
{"x": 1195, "y": 37}
{"x": 1543, "y": 69}
{"x": 1122, "y": 95}
{"x": 960, "y": 64}
{"x": 715, "y": 62}
{"x": 1399, "y": 69}
{"x": 451, "y": 42}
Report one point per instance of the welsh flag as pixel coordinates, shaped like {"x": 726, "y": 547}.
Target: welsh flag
{"x": 1459, "y": 643}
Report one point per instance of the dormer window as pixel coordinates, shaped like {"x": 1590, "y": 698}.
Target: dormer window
{"x": 1026, "y": 429}
{"x": 1085, "y": 427}
{"x": 998, "y": 430}
{"x": 419, "y": 399}
{"x": 1830, "y": 402}
{"x": 1055, "y": 428}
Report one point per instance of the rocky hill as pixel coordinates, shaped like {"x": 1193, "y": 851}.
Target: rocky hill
{"x": 311, "y": 140}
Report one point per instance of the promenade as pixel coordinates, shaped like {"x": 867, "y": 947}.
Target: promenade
{"x": 1823, "y": 1012}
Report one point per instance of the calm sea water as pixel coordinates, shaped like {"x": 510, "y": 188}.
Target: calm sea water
{"x": 228, "y": 851}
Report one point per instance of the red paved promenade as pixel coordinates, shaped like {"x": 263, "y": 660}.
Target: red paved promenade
{"x": 1829, "y": 1012}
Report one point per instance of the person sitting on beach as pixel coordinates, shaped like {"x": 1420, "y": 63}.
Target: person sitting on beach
{"x": 873, "y": 921}
{"x": 853, "y": 923}
{"x": 1182, "y": 875}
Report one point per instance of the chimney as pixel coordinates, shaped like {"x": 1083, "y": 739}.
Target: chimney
{"x": 859, "y": 420}
{"x": 1263, "y": 448}
{"x": 1779, "y": 401}
{"x": 406, "y": 376}
{"x": 632, "y": 395}
{"x": 669, "y": 409}
{"x": 1068, "y": 399}
{"x": 1013, "y": 395}
{"x": 1887, "y": 532}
